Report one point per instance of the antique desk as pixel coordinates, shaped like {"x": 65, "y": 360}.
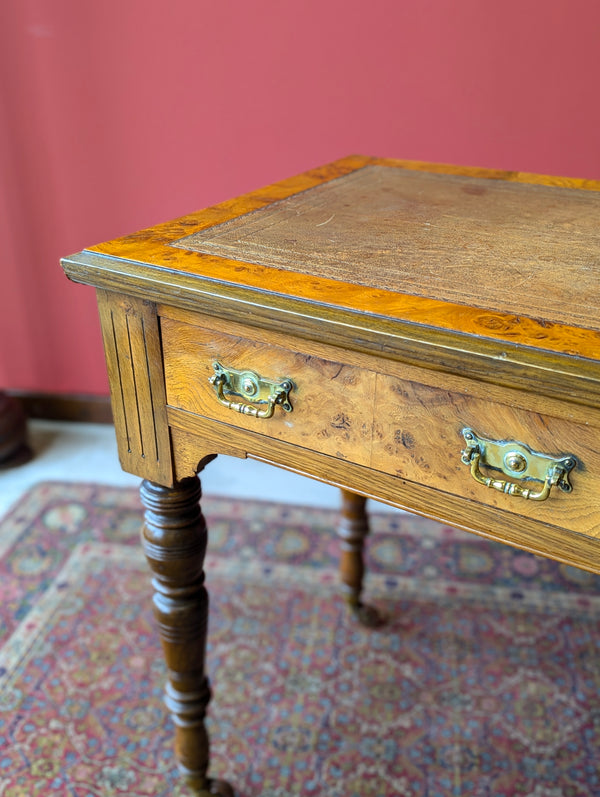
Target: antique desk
{"x": 425, "y": 335}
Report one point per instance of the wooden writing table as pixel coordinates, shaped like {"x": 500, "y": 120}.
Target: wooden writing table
{"x": 408, "y": 332}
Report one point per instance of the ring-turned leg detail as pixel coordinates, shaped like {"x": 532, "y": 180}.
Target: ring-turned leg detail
{"x": 174, "y": 539}
{"x": 353, "y": 528}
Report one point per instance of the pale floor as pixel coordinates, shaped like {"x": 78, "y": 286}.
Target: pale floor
{"x": 87, "y": 452}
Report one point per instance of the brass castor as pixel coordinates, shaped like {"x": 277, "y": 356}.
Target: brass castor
{"x": 211, "y": 788}
{"x": 367, "y": 615}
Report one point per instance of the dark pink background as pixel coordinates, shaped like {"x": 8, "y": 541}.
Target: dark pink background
{"x": 118, "y": 114}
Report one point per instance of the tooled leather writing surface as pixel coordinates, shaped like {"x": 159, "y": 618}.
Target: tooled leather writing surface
{"x": 531, "y": 250}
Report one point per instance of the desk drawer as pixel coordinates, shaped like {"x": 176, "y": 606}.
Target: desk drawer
{"x": 408, "y": 427}
{"x": 418, "y": 436}
{"x": 332, "y": 403}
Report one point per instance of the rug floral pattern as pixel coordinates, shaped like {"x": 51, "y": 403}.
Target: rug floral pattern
{"x": 484, "y": 681}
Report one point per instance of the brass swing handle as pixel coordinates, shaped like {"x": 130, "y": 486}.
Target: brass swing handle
{"x": 519, "y": 461}
{"x": 265, "y": 393}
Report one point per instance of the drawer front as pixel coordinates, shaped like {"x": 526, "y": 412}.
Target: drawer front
{"x": 418, "y": 435}
{"x": 405, "y": 427}
{"x": 332, "y": 403}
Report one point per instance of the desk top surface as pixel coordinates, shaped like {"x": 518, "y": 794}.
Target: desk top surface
{"x": 526, "y": 249}
{"x": 496, "y": 256}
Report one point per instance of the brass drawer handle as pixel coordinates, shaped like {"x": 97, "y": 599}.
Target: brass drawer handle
{"x": 265, "y": 393}
{"x": 519, "y": 461}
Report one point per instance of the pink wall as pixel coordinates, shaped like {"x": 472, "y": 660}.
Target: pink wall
{"x": 118, "y": 114}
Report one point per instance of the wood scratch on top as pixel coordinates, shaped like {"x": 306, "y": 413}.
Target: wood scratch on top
{"x": 323, "y": 223}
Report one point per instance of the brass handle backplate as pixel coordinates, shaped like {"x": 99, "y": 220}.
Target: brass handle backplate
{"x": 518, "y": 461}
{"x": 263, "y": 394}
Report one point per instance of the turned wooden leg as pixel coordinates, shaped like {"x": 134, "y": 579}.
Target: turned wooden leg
{"x": 353, "y": 528}
{"x": 174, "y": 539}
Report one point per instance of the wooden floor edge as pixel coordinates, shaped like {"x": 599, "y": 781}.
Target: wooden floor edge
{"x": 64, "y": 407}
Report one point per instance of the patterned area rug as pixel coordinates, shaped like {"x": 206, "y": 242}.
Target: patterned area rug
{"x": 484, "y": 681}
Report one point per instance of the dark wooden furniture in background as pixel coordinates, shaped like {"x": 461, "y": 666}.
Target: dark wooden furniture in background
{"x": 410, "y": 332}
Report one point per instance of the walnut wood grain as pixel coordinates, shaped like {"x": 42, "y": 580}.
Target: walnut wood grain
{"x": 492, "y": 347}
{"x": 194, "y": 437}
{"x": 379, "y": 362}
{"x": 332, "y": 402}
{"x": 135, "y": 369}
{"x": 418, "y": 436}
{"x": 408, "y": 425}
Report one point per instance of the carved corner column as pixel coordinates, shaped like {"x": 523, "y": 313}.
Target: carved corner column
{"x": 174, "y": 539}
{"x": 353, "y": 528}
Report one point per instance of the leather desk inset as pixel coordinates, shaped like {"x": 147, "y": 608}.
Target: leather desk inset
{"x": 424, "y": 335}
